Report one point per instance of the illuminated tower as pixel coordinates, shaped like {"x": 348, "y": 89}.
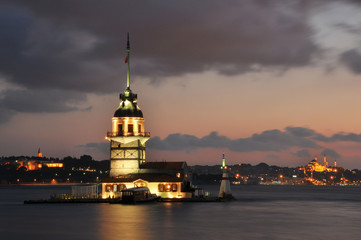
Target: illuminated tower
{"x": 128, "y": 137}
{"x": 225, "y": 189}
{"x": 39, "y": 153}
{"x": 325, "y": 160}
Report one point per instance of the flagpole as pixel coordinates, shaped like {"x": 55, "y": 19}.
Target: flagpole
{"x": 128, "y": 60}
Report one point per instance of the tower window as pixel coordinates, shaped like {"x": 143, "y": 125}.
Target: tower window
{"x": 120, "y": 128}
{"x": 139, "y": 128}
{"x": 130, "y": 128}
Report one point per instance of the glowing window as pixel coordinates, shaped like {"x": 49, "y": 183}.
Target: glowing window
{"x": 130, "y": 128}
{"x": 174, "y": 187}
{"x": 121, "y": 187}
{"x": 160, "y": 187}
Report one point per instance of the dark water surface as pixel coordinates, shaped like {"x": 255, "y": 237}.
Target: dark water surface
{"x": 261, "y": 212}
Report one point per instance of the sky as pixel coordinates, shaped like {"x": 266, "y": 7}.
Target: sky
{"x": 261, "y": 81}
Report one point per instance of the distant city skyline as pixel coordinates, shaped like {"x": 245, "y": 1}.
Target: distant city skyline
{"x": 275, "y": 82}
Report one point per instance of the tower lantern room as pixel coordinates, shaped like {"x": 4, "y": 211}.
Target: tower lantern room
{"x": 128, "y": 136}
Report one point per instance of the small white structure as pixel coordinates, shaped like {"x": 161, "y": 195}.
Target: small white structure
{"x": 225, "y": 189}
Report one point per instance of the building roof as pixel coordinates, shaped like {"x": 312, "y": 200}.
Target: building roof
{"x": 149, "y": 177}
{"x": 164, "y": 165}
{"x": 128, "y": 108}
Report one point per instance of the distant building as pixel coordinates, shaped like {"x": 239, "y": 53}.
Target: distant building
{"x": 128, "y": 165}
{"x": 323, "y": 174}
{"x": 315, "y": 166}
{"x": 40, "y": 154}
{"x": 38, "y": 163}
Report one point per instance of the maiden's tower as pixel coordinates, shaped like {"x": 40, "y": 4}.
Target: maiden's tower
{"x": 128, "y": 165}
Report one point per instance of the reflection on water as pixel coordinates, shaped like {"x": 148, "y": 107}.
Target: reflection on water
{"x": 124, "y": 222}
{"x": 261, "y": 212}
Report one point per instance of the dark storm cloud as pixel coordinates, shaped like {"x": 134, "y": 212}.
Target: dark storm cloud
{"x": 330, "y": 153}
{"x": 52, "y": 101}
{"x": 79, "y": 45}
{"x": 39, "y": 101}
{"x": 304, "y": 153}
{"x": 352, "y": 59}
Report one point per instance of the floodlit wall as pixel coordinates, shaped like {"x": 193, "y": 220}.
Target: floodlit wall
{"x": 154, "y": 187}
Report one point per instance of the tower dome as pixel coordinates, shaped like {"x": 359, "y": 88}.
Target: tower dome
{"x": 128, "y": 106}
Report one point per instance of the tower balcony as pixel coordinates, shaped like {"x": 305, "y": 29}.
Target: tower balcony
{"x": 128, "y": 134}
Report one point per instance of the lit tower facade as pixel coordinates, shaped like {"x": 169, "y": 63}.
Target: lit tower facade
{"x": 128, "y": 136}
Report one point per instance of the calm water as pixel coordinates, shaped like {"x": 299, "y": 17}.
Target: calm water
{"x": 261, "y": 212}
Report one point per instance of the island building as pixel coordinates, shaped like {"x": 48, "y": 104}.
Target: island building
{"x": 128, "y": 165}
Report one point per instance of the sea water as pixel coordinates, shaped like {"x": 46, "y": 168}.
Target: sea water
{"x": 260, "y": 212}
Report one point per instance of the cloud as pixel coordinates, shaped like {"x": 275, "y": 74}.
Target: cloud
{"x": 79, "y": 46}
{"x": 39, "y": 101}
{"x": 345, "y": 137}
{"x": 101, "y": 147}
{"x": 304, "y": 153}
{"x": 352, "y": 59}
{"x": 82, "y": 47}
{"x": 300, "y": 131}
{"x": 330, "y": 153}
{"x": 271, "y": 140}
{"x": 273, "y": 157}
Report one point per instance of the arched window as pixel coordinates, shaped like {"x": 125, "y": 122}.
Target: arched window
{"x": 140, "y": 184}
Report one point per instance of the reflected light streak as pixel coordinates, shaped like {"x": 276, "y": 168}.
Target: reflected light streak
{"x": 124, "y": 222}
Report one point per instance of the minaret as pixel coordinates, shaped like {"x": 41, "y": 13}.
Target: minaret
{"x": 225, "y": 189}
{"x": 128, "y": 137}
{"x": 325, "y": 160}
